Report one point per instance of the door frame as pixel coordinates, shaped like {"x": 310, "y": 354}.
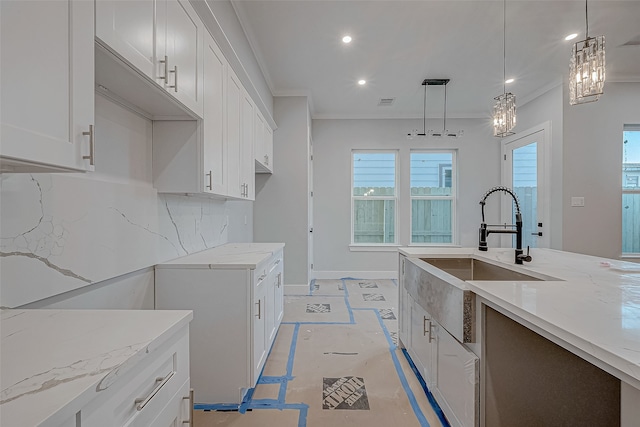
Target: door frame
{"x": 543, "y": 176}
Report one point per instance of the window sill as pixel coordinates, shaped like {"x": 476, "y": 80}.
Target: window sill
{"x": 434, "y": 245}
{"x": 370, "y": 248}
{"x": 630, "y": 257}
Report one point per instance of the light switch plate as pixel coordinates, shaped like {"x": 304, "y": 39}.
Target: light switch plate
{"x": 577, "y": 202}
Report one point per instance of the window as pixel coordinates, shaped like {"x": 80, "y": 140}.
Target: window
{"x": 433, "y": 196}
{"x": 373, "y": 197}
{"x": 631, "y": 190}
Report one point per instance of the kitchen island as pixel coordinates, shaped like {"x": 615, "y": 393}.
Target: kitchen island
{"x": 586, "y": 305}
{"x": 91, "y": 367}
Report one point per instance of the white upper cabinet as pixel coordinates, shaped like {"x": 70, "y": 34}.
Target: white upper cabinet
{"x": 162, "y": 40}
{"x": 263, "y": 145}
{"x": 128, "y": 28}
{"x": 234, "y": 99}
{"x": 179, "y": 41}
{"x": 47, "y": 100}
{"x": 214, "y": 144}
{"x": 247, "y": 165}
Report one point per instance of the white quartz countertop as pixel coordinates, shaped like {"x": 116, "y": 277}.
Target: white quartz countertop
{"x": 593, "y": 309}
{"x": 53, "y": 362}
{"x": 232, "y": 255}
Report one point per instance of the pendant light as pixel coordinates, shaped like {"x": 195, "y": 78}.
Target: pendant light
{"x": 587, "y": 67}
{"x": 504, "y": 110}
{"x": 432, "y": 133}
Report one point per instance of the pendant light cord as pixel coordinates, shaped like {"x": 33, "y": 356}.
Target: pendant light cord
{"x": 586, "y": 16}
{"x": 504, "y": 47}
{"x": 444, "y": 122}
{"x": 424, "y": 112}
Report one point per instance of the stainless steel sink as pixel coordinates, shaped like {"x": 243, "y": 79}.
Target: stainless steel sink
{"x": 473, "y": 269}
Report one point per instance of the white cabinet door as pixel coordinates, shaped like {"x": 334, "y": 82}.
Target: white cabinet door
{"x": 128, "y": 28}
{"x": 234, "y": 105}
{"x": 180, "y": 39}
{"x": 214, "y": 149}
{"x": 47, "y": 101}
{"x": 422, "y": 341}
{"x": 263, "y": 144}
{"x": 268, "y": 146}
{"x": 456, "y": 385}
{"x": 404, "y": 315}
{"x": 259, "y": 340}
{"x": 247, "y": 163}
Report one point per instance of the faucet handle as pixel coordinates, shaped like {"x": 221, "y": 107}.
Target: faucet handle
{"x": 526, "y": 257}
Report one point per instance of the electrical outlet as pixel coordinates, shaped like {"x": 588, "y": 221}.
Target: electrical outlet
{"x": 577, "y": 202}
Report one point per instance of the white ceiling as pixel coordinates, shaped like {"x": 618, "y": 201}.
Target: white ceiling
{"x": 396, "y": 44}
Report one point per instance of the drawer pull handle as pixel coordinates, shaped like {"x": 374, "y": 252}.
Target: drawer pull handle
{"x": 91, "y": 136}
{"x": 431, "y": 338}
{"x": 190, "y": 398}
{"x": 142, "y": 402}
{"x": 262, "y": 277}
{"x": 277, "y": 262}
{"x": 424, "y": 326}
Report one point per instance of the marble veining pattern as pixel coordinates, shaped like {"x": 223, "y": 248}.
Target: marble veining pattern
{"x": 59, "y": 232}
{"x": 41, "y": 377}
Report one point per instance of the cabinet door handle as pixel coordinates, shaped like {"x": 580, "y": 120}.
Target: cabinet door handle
{"x": 424, "y": 325}
{"x": 91, "y": 145}
{"x": 431, "y": 337}
{"x": 190, "y": 398}
{"x": 259, "y": 309}
{"x": 277, "y": 262}
{"x": 279, "y": 279}
{"x": 210, "y": 186}
{"x": 142, "y": 401}
{"x": 266, "y": 159}
{"x": 165, "y": 61}
{"x": 175, "y": 79}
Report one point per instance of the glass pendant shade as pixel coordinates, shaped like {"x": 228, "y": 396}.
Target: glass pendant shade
{"x": 587, "y": 70}
{"x": 504, "y": 115}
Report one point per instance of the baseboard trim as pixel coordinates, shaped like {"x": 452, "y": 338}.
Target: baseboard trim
{"x": 356, "y": 274}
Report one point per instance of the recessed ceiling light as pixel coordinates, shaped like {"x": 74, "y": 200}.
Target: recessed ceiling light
{"x": 571, "y": 36}
{"x": 509, "y": 81}
{"x": 346, "y": 39}
{"x": 362, "y": 82}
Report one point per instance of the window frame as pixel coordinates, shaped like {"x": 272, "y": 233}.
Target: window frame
{"x": 395, "y": 198}
{"x": 453, "y": 197}
{"x": 627, "y": 190}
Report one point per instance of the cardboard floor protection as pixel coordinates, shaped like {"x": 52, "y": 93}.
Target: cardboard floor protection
{"x": 335, "y": 363}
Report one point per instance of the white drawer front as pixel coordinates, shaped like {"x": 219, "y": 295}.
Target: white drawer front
{"x": 138, "y": 396}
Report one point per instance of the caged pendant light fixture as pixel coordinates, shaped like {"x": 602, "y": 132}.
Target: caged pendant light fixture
{"x": 504, "y": 110}
{"x": 586, "y": 67}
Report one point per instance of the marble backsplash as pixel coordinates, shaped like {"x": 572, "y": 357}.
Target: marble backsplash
{"x": 60, "y": 232}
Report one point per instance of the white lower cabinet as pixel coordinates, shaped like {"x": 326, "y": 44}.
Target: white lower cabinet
{"x": 423, "y": 342}
{"x": 456, "y": 386}
{"x": 235, "y": 318}
{"x": 448, "y": 367}
{"x": 159, "y": 384}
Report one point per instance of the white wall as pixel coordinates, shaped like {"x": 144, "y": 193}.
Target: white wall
{"x": 548, "y": 107}
{"x": 478, "y": 170}
{"x": 280, "y": 209}
{"x": 62, "y": 232}
{"x": 592, "y": 153}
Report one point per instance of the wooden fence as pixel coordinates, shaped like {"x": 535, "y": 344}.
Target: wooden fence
{"x": 374, "y": 219}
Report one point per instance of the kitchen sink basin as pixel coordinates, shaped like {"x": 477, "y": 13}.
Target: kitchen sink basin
{"x": 473, "y": 269}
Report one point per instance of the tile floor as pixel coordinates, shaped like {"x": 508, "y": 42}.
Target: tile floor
{"x": 335, "y": 362}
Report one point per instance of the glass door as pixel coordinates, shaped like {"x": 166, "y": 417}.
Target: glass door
{"x": 525, "y": 172}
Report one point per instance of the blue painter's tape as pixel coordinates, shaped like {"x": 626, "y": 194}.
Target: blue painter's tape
{"x": 432, "y": 400}
{"x": 395, "y": 282}
{"x": 216, "y": 406}
{"x": 312, "y": 285}
{"x": 403, "y": 379}
{"x": 246, "y": 401}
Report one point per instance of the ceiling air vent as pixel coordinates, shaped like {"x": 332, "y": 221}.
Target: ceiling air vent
{"x": 386, "y": 102}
